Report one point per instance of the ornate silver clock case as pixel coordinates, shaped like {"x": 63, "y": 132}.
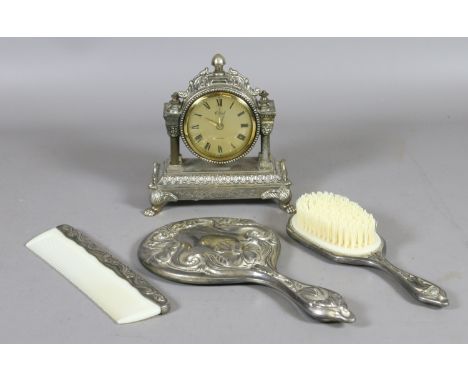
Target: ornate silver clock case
{"x": 199, "y": 178}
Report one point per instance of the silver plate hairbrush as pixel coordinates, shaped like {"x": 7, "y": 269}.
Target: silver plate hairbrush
{"x": 341, "y": 230}
{"x": 233, "y": 251}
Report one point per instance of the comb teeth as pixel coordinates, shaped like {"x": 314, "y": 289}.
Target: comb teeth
{"x": 336, "y": 220}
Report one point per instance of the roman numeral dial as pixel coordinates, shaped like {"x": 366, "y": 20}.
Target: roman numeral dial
{"x": 219, "y": 127}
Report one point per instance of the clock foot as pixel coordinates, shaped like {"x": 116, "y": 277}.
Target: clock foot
{"x": 283, "y": 196}
{"x": 159, "y": 199}
{"x": 288, "y": 207}
{"x": 151, "y": 211}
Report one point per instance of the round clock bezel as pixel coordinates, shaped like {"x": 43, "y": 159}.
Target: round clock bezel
{"x": 223, "y": 89}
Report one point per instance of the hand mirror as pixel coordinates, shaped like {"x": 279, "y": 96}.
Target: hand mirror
{"x": 233, "y": 251}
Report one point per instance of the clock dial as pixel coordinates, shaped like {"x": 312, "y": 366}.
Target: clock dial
{"x": 220, "y": 126}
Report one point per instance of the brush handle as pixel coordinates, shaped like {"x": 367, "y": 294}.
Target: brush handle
{"x": 319, "y": 303}
{"x": 423, "y": 290}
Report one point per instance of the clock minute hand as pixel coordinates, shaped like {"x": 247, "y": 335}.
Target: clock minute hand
{"x": 220, "y": 124}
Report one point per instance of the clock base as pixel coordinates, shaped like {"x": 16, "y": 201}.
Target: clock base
{"x": 197, "y": 180}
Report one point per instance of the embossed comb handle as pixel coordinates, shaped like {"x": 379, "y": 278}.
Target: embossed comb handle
{"x": 320, "y": 303}
{"x": 423, "y": 290}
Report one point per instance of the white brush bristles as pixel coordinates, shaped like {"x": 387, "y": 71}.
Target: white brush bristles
{"x": 336, "y": 220}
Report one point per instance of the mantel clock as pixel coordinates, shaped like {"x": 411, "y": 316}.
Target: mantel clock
{"x": 220, "y": 118}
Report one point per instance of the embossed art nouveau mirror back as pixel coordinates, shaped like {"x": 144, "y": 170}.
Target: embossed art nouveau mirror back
{"x": 220, "y": 118}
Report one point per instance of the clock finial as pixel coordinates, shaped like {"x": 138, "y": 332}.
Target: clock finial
{"x": 218, "y": 62}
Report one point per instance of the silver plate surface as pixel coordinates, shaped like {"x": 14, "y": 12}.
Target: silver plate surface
{"x": 424, "y": 291}
{"x": 202, "y": 178}
{"x": 219, "y": 250}
{"x": 198, "y": 180}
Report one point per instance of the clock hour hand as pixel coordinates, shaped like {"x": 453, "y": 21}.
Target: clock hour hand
{"x": 212, "y": 122}
{"x": 218, "y": 126}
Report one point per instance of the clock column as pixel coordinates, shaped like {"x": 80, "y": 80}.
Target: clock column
{"x": 171, "y": 116}
{"x": 267, "y": 118}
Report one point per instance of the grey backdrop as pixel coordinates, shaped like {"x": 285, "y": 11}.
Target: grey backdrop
{"x": 383, "y": 121}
